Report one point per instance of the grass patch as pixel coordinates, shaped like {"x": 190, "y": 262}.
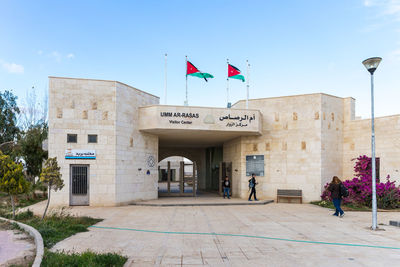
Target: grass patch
{"x": 56, "y": 227}
{"x": 24, "y": 202}
{"x": 21, "y": 202}
{"x": 88, "y": 259}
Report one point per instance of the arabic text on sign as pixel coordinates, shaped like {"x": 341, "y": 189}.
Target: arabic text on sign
{"x": 238, "y": 118}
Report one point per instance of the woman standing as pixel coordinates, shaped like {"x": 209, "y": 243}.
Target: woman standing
{"x": 334, "y": 188}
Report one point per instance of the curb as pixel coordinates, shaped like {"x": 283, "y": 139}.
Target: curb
{"x": 262, "y": 202}
{"x": 38, "y": 240}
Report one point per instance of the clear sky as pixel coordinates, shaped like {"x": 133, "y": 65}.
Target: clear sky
{"x": 294, "y": 47}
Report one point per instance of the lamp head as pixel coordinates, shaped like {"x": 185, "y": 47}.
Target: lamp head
{"x": 372, "y": 63}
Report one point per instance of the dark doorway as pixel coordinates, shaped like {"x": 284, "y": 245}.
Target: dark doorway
{"x": 79, "y": 185}
{"x": 213, "y": 158}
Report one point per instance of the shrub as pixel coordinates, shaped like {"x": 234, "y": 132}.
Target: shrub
{"x": 360, "y": 188}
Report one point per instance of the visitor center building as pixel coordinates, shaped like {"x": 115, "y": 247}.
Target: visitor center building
{"x": 109, "y": 139}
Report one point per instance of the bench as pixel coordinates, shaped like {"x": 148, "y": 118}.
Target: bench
{"x": 290, "y": 194}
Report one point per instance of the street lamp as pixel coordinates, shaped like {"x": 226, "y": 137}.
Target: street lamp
{"x": 371, "y": 64}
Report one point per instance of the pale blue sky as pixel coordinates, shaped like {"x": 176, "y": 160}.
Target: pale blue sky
{"x": 294, "y": 47}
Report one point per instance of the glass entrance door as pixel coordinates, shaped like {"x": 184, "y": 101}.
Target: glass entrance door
{"x": 177, "y": 178}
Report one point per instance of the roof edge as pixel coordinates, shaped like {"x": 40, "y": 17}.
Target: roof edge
{"x": 275, "y": 97}
{"x": 99, "y": 80}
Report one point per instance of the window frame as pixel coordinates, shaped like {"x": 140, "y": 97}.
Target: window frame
{"x": 91, "y": 135}
{"x": 70, "y": 136}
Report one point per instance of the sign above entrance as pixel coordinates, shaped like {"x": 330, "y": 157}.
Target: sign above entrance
{"x": 158, "y": 118}
{"x": 238, "y": 121}
{"x": 80, "y": 154}
{"x": 179, "y": 114}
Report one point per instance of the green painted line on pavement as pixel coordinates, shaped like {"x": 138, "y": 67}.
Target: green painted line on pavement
{"x": 249, "y": 236}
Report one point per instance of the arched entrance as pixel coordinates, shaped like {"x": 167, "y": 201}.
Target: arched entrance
{"x": 210, "y": 168}
{"x": 177, "y": 176}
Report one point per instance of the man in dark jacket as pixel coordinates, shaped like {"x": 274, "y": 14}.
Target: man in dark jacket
{"x": 252, "y": 186}
{"x": 226, "y": 185}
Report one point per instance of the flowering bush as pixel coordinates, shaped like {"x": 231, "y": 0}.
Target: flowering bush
{"x": 360, "y": 188}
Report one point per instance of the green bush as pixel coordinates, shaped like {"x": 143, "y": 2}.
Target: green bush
{"x": 389, "y": 200}
{"x": 87, "y": 259}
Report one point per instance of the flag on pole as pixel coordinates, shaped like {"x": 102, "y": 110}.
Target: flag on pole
{"x": 193, "y": 71}
{"x": 234, "y": 73}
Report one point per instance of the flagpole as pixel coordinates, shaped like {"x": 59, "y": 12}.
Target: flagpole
{"x": 227, "y": 85}
{"x": 247, "y": 86}
{"x": 165, "y": 69}
{"x": 186, "y": 101}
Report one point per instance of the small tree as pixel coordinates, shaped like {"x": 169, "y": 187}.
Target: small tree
{"x": 12, "y": 180}
{"x": 30, "y": 146}
{"x": 8, "y": 117}
{"x": 52, "y": 177}
{"x": 33, "y": 111}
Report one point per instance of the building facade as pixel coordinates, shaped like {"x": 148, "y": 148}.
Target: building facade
{"x": 109, "y": 137}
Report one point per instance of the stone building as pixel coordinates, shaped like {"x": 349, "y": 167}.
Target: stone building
{"x": 109, "y": 138}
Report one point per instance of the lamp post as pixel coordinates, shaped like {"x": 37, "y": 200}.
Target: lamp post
{"x": 371, "y": 64}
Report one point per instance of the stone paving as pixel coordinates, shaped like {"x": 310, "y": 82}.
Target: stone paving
{"x": 205, "y": 199}
{"x": 291, "y": 221}
{"x": 16, "y": 248}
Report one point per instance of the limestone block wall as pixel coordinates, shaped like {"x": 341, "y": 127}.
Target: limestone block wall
{"x": 82, "y": 107}
{"x": 357, "y": 141}
{"x": 290, "y": 143}
{"x": 332, "y": 119}
{"x": 136, "y": 152}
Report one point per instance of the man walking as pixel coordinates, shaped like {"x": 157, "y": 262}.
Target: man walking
{"x": 252, "y": 186}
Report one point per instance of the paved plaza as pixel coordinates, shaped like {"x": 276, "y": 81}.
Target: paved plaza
{"x": 283, "y": 221}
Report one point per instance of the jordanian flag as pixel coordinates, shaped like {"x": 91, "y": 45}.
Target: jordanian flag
{"x": 193, "y": 71}
{"x": 234, "y": 73}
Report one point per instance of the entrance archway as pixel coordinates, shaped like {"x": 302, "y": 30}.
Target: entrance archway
{"x": 210, "y": 168}
{"x": 177, "y": 176}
